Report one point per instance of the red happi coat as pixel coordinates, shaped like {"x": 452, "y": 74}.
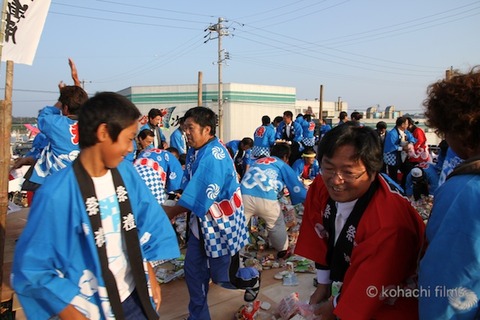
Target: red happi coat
{"x": 419, "y": 152}
{"x": 387, "y": 243}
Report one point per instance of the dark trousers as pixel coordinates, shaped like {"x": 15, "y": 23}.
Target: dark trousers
{"x": 404, "y": 168}
{"x": 132, "y": 307}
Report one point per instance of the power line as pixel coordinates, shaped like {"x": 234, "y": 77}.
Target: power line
{"x": 129, "y": 14}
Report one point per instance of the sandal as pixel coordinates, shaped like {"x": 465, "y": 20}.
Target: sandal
{"x": 251, "y": 293}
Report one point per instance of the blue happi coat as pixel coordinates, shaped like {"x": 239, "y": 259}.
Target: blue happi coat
{"x": 178, "y": 141}
{"x": 56, "y": 261}
{"x": 160, "y": 170}
{"x": 263, "y": 140}
{"x": 314, "y": 171}
{"x": 449, "y": 270}
{"x": 62, "y": 147}
{"x": 212, "y": 192}
{"x": 39, "y": 143}
{"x": 267, "y": 177}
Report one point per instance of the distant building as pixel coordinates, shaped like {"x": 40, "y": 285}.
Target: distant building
{"x": 243, "y": 104}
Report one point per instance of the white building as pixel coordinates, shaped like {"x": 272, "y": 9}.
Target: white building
{"x": 243, "y": 104}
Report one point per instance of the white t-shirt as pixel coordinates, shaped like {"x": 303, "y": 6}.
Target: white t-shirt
{"x": 115, "y": 242}
{"x": 344, "y": 209}
{"x": 343, "y": 212}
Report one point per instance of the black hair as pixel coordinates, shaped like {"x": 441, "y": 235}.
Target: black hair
{"x": 145, "y": 133}
{"x": 247, "y": 142}
{"x": 400, "y": 121}
{"x": 73, "y": 97}
{"x": 182, "y": 158}
{"x": 355, "y": 115}
{"x": 173, "y": 151}
{"x": 364, "y": 139}
{"x": 288, "y": 114}
{"x": 205, "y": 117}
{"x": 153, "y": 113}
{"x": 111, "y": 108}
{"x": 307, "y": 117}
{"x": 265, "y": 120}
{"x": 381, "y": 125}
{"x": 281, "y": 150}
{"x": 277, "y": 119}
{"x": 343, "y": 115}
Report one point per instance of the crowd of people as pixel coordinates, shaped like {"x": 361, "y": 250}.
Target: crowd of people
{"x": 101, "y": 219}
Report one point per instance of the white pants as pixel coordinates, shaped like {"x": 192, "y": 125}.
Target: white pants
{"x": 270, "y": 211}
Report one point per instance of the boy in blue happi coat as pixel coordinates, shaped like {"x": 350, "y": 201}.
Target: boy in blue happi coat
{"x": 93, "y": 227}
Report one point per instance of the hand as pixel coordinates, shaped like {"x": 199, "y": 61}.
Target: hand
{"x": 74, "y": 72}
{"x": 155, "y": 286}
{"x": 322, "y": 293}
{"x": 70, "y": 313}
{"x": 26, "y": 161}
{"x": 61, "y": 84}
{"x": 325, "y": 311}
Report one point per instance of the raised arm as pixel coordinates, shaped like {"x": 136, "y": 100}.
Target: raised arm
{"x": 74, "y": 72}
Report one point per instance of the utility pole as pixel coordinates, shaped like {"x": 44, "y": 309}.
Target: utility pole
{"x": 221, "y": 31}
{"x": 449, "y": 73}
{"x": 199, "y": 89}
{"x": 82, "y": 83}
{"x": 320, "y": 110}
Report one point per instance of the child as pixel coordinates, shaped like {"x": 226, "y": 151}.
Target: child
{"x": 75, "y": 263}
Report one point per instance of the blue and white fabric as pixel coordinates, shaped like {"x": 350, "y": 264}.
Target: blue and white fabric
{"x": 300, "y": 164}
{"x": 179, "y": 141}
{"x": 62, "y": 147}
{"x": 308, "y": 131}
{"x": 267, "y": 177}
{"x": 161, "y": 171}
{"x": 296, "y": 132}
{"x": 452, "y": 160}
{"x": 68, "y": 270}
{"x": 449, "y": 267}
{"x": 212, "y": 192}
{"x": 263, "y": 140}
{"x": 39, "y": 143}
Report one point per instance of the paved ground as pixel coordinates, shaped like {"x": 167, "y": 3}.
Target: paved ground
{"x": 223, "y": 303}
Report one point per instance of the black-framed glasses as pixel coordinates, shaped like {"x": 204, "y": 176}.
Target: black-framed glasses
{"x": 344, "y": 176}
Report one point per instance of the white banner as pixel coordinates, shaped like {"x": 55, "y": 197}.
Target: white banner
{"x": 24, "y": 20}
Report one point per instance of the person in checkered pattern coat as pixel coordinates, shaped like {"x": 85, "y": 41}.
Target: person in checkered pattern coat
{"x": 217, "y": 226}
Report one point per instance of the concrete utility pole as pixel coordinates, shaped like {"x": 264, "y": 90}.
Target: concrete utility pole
{"x": 221, "y": 30}
{"x": 199, "y": 89}
{"x": 449, "y": 73}
{"x": 320, "y": 110}
{"x": 82, "y": 83}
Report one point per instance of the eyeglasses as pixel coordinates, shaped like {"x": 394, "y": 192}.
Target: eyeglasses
{"x": 344, "y": 176}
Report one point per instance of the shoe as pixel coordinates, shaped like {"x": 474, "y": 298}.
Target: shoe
{"x": 251, "y": 293}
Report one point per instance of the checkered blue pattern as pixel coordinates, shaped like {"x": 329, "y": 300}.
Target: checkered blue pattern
{"x": 225, "y": 235}
{"x": 390, "y": 158}
{"x": 308, "y": 142}
{"x": 153, "y": 181}
{"x": 258, "y": 151}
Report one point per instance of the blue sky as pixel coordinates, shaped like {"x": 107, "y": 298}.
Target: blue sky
{"x": 368, "y": 52}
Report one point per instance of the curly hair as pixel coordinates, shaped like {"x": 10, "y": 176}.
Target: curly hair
{"x": 452, "y": 107}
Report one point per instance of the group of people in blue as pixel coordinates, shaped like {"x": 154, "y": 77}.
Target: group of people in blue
{"x": 100, "y": 218}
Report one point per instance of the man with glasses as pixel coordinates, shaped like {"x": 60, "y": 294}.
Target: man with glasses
{"x": 360, "y": 231}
